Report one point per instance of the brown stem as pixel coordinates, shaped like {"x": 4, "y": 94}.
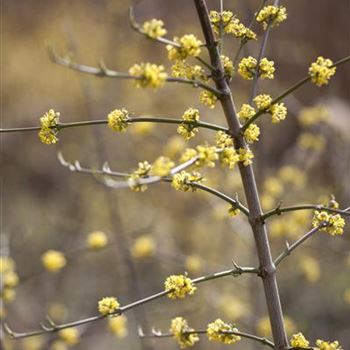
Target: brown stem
{"x": 267, "y": 267}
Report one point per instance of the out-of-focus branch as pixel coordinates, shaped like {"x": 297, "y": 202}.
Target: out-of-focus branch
{"x": 51, "y": 326}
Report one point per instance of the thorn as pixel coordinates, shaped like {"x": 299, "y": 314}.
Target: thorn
{"x": 50, "y": 321}
{"x": 106, "y": 168}
{"x": 140, "y": 331}
{"x": 45, "y": 328}
{"x": 103, "y": 67}
{"x": 77, "y": 165}
{"x": 156, "y": 332}
{"x": 8, "y": 330}
{"x": 61, "y": 159}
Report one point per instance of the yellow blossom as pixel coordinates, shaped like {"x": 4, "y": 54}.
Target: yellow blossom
{"x": 10, "y": 279}
{"x": 310, "y": 268}
{"x": 49, "y": 127}
{"x": 207, "y": 156}
{"x": 33, "y": 343}
{"x": 310, "y": 141}
{"x": 278, "y": 112}
{"x": 174, "y": 146}
{"x": 182, "y": 181}
{"x": 59, "y": 345}
{"x": 325, "y": 345}
{"x": 179, "y": 285}
{"x": 53, "y": 260}
{"x": 266, "y": 69}
{"x": 298, "y": 341}
{"x": 154, "y": 28}
{"x": 70, "y": 335}
{"x": 181, "y": 69}
{"x": 183, "y": 333}
{"x": 187, "y": 129}
{"x": 148, "y": 75}
{"x": 223, "y": 139}
{"x": 108, "y": 306}
{"x": 292, "y": 175}
{"x": 246, "y": 112}
{"x": 188, "y": 154}
{"x": 97, "y": 240}
{"x": 321, "y": 71}
{"x": 251, "y": 134}
{"x": 6, "y": 264}
{"x": 143, "y": 247}
{"x": 229, "y": 157}
{"x": 273, "y": 186}
{"x": 189, "y": 45}
{"x": 217, "y": 331}
{"x": 273, "y": 15}
{"x": 8, "y": 294}
{"x": 118, "y": 326}
{"x": 227, "y": 65}
{"x": 208, "y": 98}
{"x": 310, "y": 116}
{"x": 247, "y": 67}
{"x": 263, "y": 101}
{"x": 162, "y": 166}
{"x": 334, "y": 222}
{"x": 141, "y": 172}
{"x": 118, "y": 119}
{"x": 245, "y": 156}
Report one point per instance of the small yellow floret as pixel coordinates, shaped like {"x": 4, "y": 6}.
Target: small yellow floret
{"x": 118, "y": 326}
{"x": 179, "y": 285}
{"x": 181, "y": 69}
{"x": 182, "y": 181}
{"x": 162, "y": 166}
{"x": 325, "y": 345}
{"x": 108, "y": 306}
{"x": 97, "y": 240}
{"x": 183, "y": 333}
{"x": 53, "y": 260}
{"x": 188, "y": 129}
{"x": 208, "y": 98}
{"x": 227, "y": 64}
{"x": 49, "y": 127}
{"x": 223, "y": 139}
{"x": 251, "y": 134}
{"x": 189, "y": 45}
{"x": 118, "y": 119}
{"x": 273, "y": 15}
{"x": 245, "y": 156}
{"x": 247, "y": 67}
{"x": 298, "y": 341}
{"x": 154, "y": 28}
{"x": 321, "y": 71}
{"x": 229, "y": 157}
{"x": 278, "y": 112}
{"x": 143, "y": 247}
{"x": 207, "y": 155}
{"x": 141, "y": 172}
{"x": 263, "y": 101}
{"x": 246, "y": 112}
{"x": 148, "y": 75}
{"x": 334, "y": 222}
{"x": 266, "y": 69}
{"x": 222, "y": 332}
{"x": 70, "y": 335}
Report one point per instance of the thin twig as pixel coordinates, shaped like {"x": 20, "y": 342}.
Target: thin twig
{"x": 53, "y": 327}
{"x": 288, "y": 92}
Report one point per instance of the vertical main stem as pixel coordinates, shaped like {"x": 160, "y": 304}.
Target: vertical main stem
{"x": 268, "y": 269}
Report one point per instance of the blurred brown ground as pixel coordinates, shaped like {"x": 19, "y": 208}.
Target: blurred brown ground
{"x": 44, "y": 206}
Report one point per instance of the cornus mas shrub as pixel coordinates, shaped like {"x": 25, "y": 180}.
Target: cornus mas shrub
{"x": 230, "y": 150}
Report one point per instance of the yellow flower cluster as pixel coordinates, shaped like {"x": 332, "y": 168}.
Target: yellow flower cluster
{"x": 148, "y": 75}
{"x": 154, "y": 28}
{"x": 230, "y": 25}
{"x": 248, "y": 65}
{"x": 118, "y": 326}
{"x": 310, "y": 116}
{"x": 142, "y": 171}
{"x": 310, "y": 268}
{"x": 321, "y": 71}
{"x": 223, "y": 139}
{"x": 208, "y": 98}
{"x": 182, "y": 181}
{"x": 162, "y": 166}
{"x": 97, "y": 240}
{"x": 245, "y": 156}
{"x": 228, "y": 155}
{"x": 179, "y": 286}
{"x": 292, "y": 175}
{"x": 262, "y": 101}
{"x": 335, "y": 223}
{"x": 222, "y": 332}
{"x": 207, "y": 156}
{"x": 189, "y": 45}
{"x": 188, "y": 129}
{"x": 278, "y": 112}
{"x": 70, "y": 336}
{"x": 53, "y": 260}
{"x": 181, "y": 69}
{"x": 108, "y": 306}
{"x": 227, "y": 64}
{"x": 143, "y": 247}
{"x": 118, "y": 119}
{"x": 246, "y": 112}
{"x": 311, "y": 141}
{"x": 183, "y": 333}
{"x": 49, "y": 127}
{"x": 273, "y": 15}
{"x": 325, "y": 345}
{"x": 188, "y": 154}
{"x": 298, "y": 341}
{"x": 9, "y": 279}
{"x": 251, "y": 134}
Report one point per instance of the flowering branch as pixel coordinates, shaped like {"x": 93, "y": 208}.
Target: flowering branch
{"x": 103, "y": 71}
{"x": 131, "y": 120}
{"x": 288, "y": 92}
{"x": 54, "y": 327}
{"x": 278, "y": 210}
{"x": 159, "y": 334}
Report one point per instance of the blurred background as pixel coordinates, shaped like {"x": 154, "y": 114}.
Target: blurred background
{"x": 160, "y": 232}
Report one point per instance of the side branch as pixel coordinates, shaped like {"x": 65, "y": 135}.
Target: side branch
{"x": 288, "y": 92}
{"x": 53, "y": 327}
